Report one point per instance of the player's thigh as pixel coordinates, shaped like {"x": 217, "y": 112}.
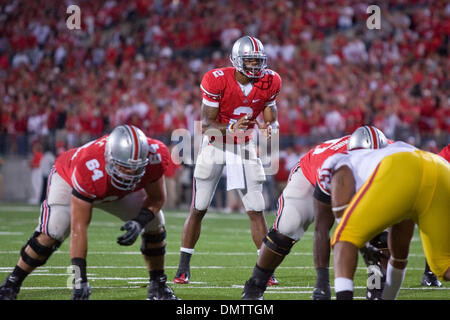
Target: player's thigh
{"x": 434, "y": 224}
{"x": 252, "y": 196}
{"x": 54, "y": 219}
{"x": 129, "y": 207}
{"x": 125, "y": 208}
{"x": 207, "y": 172}
{"x": 204, "y": 189}
{"x": 385, "y": 199}
{"x": 295, "y": 207}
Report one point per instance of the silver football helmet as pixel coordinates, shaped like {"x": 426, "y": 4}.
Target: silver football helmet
{"x": 126, "y": 154}
{"x": 245, "y": 48}
{"x": 367, "y": 137}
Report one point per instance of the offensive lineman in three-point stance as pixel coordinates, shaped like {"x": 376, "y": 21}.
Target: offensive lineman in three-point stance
{"x": 120, "y": 173}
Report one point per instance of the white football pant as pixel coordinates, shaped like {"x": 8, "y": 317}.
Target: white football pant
{"x": 295, "y": 207}
{"x": 208, "y": 170}
{"x": 54, "y": 219}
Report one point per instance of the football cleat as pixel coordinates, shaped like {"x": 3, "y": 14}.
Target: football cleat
{"x": 429, "y": 279}
{"x": 253, "y": 290}
{"x": 158, "y": 290}
{"x": 9, "y": 289}
{"x": 182, "y": 278}
{"x": 272, "y": 281}
{"x": 321, "y": 293}
{"x": 374, "y": 292}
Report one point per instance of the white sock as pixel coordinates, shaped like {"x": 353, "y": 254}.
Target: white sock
{"x": 343, "y": 284}
{"x": 394, "y": 280}
{"x": 187, "y": 250}
{"x": 257, "y": 252}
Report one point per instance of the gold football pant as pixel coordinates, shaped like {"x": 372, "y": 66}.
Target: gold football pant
{"x": 406, "y": 185}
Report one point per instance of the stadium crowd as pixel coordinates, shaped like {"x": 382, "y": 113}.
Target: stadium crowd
{"x": 140, "y": 62}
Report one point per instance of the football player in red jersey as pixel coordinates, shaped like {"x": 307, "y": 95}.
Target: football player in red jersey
{"x": 233, "y": 97}
{"x": 445, "y": 153}
{"x": 120, "y": 173}
{"x": 296, "y": 212}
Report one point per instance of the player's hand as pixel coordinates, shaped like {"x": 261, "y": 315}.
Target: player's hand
{"x": 266, "y": 128}
{"x": 81, "y": 291}
{"x": 133, "y": 229}
{"x": 243, "y": 123}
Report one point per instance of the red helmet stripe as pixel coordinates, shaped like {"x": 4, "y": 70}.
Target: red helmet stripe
{"x": 255, "y": 44}
{"x": 373, "y": 133}
{"x": 135, "y": 142}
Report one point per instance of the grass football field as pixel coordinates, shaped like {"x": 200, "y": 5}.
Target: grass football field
{"x": 223, "y": 260}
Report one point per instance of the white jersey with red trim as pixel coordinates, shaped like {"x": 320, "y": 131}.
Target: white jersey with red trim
{"x": 83, "y": 169}
{"x": 221, "y": 90}
{"x": 362, "y": 162}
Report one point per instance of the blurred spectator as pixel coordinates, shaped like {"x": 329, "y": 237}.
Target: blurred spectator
{"x": 141, "y": 62}
{"x": 46, "y": 164}
{"x": 2, "y": 163}
{"x": 171, "y": 178}
{"x": 281, "y": 176}
{"x": 36, "y": 174}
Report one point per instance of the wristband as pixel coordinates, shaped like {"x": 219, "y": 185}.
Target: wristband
{"x": 144, "y": 217}
{"x": 230, "y": 127}
{"x": 79, "y": 266}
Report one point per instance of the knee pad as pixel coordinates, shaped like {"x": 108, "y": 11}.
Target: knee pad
{"x": 278, "y": 243}
{"x": 43, "y": 251}
{"x": 153, "y": 239}
{"x": 253, "y": 201}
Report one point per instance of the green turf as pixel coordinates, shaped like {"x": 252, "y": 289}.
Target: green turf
{"x": 223, "y": 260}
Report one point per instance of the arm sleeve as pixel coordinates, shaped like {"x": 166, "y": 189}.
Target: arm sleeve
{"x": 274, "y": 89}
{"x": 321, "y": 196}
{"x": 159, "y": 168}
{"x": 82, "y": 185}
{"x": 211, "y": 89}
{"x": 165, "y": 158}
{"x": 80, "y": 196}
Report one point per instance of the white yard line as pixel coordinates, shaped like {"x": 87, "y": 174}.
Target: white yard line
{"x": 201, "y": 285}
{"x": 45, "y": 269}
{"x": 137, "y": 252}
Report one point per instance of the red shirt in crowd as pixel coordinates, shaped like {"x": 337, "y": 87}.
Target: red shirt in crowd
{"x": 36, "y": 160}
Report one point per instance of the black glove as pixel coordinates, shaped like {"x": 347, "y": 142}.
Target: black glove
{"x": 133, "y": 229}
{"x": 372, "y": 255}
{"x": 81, "y": 291}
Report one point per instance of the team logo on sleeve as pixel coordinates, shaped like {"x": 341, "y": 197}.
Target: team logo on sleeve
{"x": 324, "y": 180}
